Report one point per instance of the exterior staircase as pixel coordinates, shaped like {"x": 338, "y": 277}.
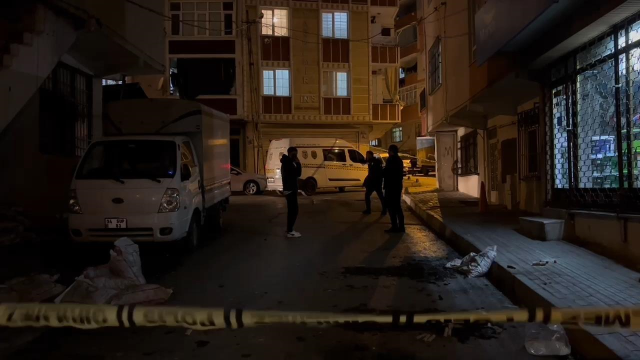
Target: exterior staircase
{"x": 33, "y": 38}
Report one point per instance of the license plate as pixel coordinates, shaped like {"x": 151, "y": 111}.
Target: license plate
{"x": 115, "y": 223}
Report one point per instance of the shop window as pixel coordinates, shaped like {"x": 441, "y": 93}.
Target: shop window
{"x": 275, "y": 22}
{"x": 335, "y": 25}
{"x": 469, "y": 154}
{"x": 202, "y": 18}
{"x": 334, "y": 155}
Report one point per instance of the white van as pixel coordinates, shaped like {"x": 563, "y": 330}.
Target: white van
{"x": 326, "y": 163}
{"x": 160, "y": 170}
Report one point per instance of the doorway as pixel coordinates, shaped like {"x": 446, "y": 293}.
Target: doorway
{"x": 445, "y": 156}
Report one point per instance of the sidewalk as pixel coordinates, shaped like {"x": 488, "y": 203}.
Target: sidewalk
{"x": 574, "y": 277}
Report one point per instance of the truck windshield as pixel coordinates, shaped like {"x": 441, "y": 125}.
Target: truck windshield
{"x": 129, "y": 159}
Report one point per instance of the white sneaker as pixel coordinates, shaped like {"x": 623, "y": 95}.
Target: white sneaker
{"x": 294, "y": 234}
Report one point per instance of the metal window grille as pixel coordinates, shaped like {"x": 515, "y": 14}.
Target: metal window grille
{"x": 435, "y": 71}
{"x": 528, "y": 143}
{"x": 469, "y": 154}
{"x": 66, "y": 98}
{"x": 593, "y": 123}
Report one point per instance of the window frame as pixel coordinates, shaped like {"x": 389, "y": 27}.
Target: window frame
{"x": 273, "y": 28}
{"x": 274, "y": 71}
{"x": 375, "y": 142}
{"x": 435, "y": 65}
{"x": 208, "y": 20}
{"x": 394, "y": 134}
{"x": 333, "y": 24}
{"x": 468, "y": 151}
{"x": 334, "y": 90}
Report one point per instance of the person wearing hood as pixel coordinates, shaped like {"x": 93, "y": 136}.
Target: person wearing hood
{"x": 393, "y": 178}
{"x": 291, "y": 171}
{"x": 373, "y": 183}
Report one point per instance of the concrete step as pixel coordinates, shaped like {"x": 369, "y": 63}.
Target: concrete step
{"x": 541, "y": 228}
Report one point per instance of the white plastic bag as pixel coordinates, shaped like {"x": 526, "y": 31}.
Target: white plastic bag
{"x": 546, "y": 340}
{"x": 474, "y": 265}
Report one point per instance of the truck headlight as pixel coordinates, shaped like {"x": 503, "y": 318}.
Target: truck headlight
{"x": 170, "y": 201}
{"x": 74, "y": 204}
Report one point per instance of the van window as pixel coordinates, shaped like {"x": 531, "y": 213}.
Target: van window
{"x": 187, "y": 154}
{"x": 356, "y": 157}
{"x": 334, "y": 155}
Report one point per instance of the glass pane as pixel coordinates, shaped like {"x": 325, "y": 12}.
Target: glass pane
{"x": 631, "y": 89}
{"x": 341, "y": 25}
{"x": 175, "y": 24}
{"x": 174, "y": 6}
{"x": 267, "y": 82}
{"x": 281, "y": 23}
{"x": 596, "y": 51}
{"x": 188, "y": 6}
{"x": 188, "y": 19}
{"x": 328, "y": 83}
{"x": 201, "y": 6}
{"x": 267, "y": 22}
{"x": 228, "y": 24}
{"x": 215, "y": 6}
{"x": 202, "y": 24}
{"x": 215, "y": 24}
{"x": 327, "y": 24}
{"x": 597, "y": 155}
{"x": 282, "y": 82}
{"x": 342, "y": 84}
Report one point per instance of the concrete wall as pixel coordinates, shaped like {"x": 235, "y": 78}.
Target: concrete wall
{"x": 360, "y": 71}
{"x": 531, "y": 192}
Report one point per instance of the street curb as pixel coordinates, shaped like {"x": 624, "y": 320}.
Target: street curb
{"x": 583, "y": 343}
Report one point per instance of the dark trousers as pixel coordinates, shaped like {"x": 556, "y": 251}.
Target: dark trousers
{"x": 292, "y": 209}
{"x": 367, "y": 197}
{"x": 394, "y": 205}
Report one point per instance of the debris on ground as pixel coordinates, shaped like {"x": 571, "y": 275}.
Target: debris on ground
{"x": 118, "y": 282}
{"x": 546, "y": 340}
{"x": 426, "y": 337}
{"x": 540, "y": 263}
{"x": 474, "y": 265}
{"x": 13, "y": 226}
{"x": 35, "y": 288}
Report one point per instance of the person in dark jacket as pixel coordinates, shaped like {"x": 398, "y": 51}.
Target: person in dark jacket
{"x": 291, "y": 170}
{"x": 373, "y": 183}
{"x": 393, "y": 178}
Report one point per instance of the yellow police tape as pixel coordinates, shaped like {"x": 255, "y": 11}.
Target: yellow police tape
{"x": 97, "y": 316}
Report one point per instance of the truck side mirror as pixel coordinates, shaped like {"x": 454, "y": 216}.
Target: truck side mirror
{"x": 185, "y": 172}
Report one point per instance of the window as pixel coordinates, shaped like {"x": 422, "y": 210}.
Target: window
{"x": 435, "y": 69}
{"x": 396, "y": 134}
{"x": 186, "y": 153}
{"x": 275, "y": 82}
{"x": 335, "y": 83}
{"x": 469, "y": 154}
{"x": 202, "y": 18}
{"x": 475, "y": 6}
{"x": 356, "y": 157}
{"x": 275, "y": 22}
{"x": 423, "y": 100}
{"x": 408, "y": 97}
{"x": 528, "y": 135}
{"x": 66, "y": 96}
{"x": 334, "y": 155}
{"x": 385, "y": 32}
{"x": 375, "y": 142}
{"x": 192, "y": 77}
{"x": 335, "y": 25}
{"x": 106, "y": 82}
{"x": 402, "y": 73}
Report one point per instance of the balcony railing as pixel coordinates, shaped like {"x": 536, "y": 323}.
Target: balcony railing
{"x": 385, "y": 112}
{"x": 391, "y": 3}
{"x": 409, "y": 50}
{"x": 275, "y": 48}
{"x": 381, "y": 54}
{"x": 406, "y": 20}
{"x": 335, "y": 50}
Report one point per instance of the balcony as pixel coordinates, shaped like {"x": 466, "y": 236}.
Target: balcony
{"x": 275, "y": 48}
{"x": 406, "y": 20}
{"x": 409, "y": 50}
{"x": 335, "y": 50}
{"x": 385, "y": 113}
{"x": 384, "y": 55}
{"x": 336, "y": 106}
{"x": 276, "y": 105}
{"x": 384, "y": 3}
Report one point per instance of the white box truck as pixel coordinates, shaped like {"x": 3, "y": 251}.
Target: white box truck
{"x": 160, "y": 170}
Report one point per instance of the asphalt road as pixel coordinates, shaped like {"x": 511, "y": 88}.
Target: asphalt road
{"x": 343, "y": 262}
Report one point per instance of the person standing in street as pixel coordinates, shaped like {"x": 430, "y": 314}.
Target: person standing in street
{"x": 291, "y": 170}
{"x": 373, "y": 183}
{"x": 393, "y": 178}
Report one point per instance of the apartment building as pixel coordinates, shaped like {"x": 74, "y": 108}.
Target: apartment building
{"x": 409, "y": 92}
{"x": 317, "y": 69}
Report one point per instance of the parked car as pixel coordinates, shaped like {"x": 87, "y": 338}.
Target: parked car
{"x": 249, "y": 183}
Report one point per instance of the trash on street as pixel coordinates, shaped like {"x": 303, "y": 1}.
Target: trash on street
{"x": 474, "y": 265}
{"x": 35, "y": 288}
{"x": 118, "y": 282}
{"x": 546, "y": 340}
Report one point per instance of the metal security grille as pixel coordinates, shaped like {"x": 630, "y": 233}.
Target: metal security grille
{"x": 65, "y": 112}
{"x": 593, "y": 119}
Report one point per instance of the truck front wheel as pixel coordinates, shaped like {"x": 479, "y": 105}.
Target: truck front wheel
{"x": 193, "y": 234}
